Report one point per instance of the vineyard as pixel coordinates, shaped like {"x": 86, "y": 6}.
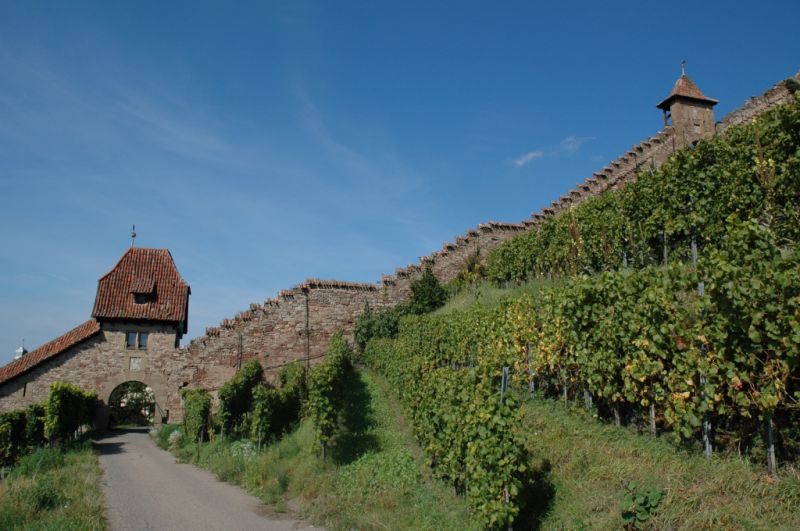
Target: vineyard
{"x": 673, "y": 306}
{"x": 751, "y": 172}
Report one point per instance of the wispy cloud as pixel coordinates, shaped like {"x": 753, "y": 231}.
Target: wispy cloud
{"x": 528, "y": 157}
{"x": 573, "y": 143}
{"x": 570, "y": 145}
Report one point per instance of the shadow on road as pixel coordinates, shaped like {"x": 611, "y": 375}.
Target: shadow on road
{"x": 106, "y": 445}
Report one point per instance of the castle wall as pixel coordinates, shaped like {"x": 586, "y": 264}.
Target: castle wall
{"x": 779, "y": 94}
{"x": 299, "y": 323}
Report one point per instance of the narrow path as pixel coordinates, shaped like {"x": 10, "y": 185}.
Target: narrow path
{"x": 146, "y": 489}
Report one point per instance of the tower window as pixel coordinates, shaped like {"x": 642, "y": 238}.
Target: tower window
{"x": 136, "y": 340}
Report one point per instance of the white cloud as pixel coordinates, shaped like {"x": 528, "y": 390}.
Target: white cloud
{"x": 527, "y": 158}
{"x": 569, "y": 145}
{"x": 572, "y": 143}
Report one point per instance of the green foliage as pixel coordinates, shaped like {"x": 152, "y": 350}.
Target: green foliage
{"x": 236, "y": 397}
{"x": 196, "y": 411}
{"x": 325, "y": 390}
{"x": 13, "y": 440}
{"x": 132, "y": 403}
{"x": 636, "y": 338}
{"x": 380, "y": 323}
{"x": 427, "y": 293}
{"x": 41, "y": 496}
{"x": 373, "y": 479}
{"x": 590, "y": 461}
{"x": 68, "y": 407}
{"x": 34, "y": 425}
{"x": 639, "y": 505}
{"x": 39, "y": 461}
{"x": 54, "y": 489}
{"x": 470, "y": 275}
{"x": 753, "y": 334}
{"x": 276, "y": 411}
{"x": 750, "y": 171}
{"x": 446, "y": 371}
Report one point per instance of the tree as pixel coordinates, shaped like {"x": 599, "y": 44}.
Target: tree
{"x": 427, "y": 293}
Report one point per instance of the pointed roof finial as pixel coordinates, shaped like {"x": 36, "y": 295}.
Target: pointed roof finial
{"x": 683, "y": 67}
{"x": 133, "y": 234}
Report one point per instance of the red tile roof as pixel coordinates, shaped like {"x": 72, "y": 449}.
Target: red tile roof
{"x": 685, "y": 88}
{"x": 143, "y": 285}
{"x": 49, "y": 350}
{"x": 139, "y": 271}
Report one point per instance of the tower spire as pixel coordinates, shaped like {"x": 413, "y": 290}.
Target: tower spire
{"x": 683, "y": 67}
{"x": 133, "y": 234}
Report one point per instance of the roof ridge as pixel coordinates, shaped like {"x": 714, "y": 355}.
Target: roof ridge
{"x": 49, "y": 350}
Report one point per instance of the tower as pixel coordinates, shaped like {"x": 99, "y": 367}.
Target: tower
{"x": 691, "y": 112}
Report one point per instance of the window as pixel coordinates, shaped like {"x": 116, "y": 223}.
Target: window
{"x": 136, "y": 340}
{"x": 135, "y": 364}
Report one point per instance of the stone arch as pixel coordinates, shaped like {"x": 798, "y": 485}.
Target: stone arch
{"x": 155, "y": 381}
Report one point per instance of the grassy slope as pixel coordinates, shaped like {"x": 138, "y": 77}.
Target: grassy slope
{"x": 490, "y": 295}
{"x": 375, "y": 479}
{"x": 590, "y": 462}
{"x": 51, "y": 490}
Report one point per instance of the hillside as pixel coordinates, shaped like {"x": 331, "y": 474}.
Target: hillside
{"x": 668, "y": 307}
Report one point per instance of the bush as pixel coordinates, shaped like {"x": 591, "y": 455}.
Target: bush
{"x": 427, "y": 293}
{"x": 68, "y": 407}
{"x": 446, "y": 372}
{"x": 13, "y": 442}
{"x": 236, "y": 397}
{"x": 325, "y": 396}
{"x": 34, "y": 425}
{"x": 376, "y": 324}
{"x": 196, "y": 411}
{"x": 276, "y": 411}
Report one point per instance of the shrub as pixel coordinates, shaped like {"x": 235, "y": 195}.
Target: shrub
{"x": 13, "y": 442}
{"x": 380, "y": 323}
{"x": 68, "y": 407}
{"x": 325, "y": 397}
{"x": 196, "y": 410}
{"x": 427, "y": 293}
{"x": 236, "y": 397}
{"x": 34, "y": 425}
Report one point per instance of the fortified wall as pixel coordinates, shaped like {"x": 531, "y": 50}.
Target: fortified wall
{"x": 297, "y": 325}
{"x": 275, "y": 332}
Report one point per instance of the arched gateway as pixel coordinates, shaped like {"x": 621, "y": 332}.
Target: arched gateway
{"x": 140, "y": 314}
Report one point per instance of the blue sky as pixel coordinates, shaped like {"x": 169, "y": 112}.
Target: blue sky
{"x": 270, "y": 142}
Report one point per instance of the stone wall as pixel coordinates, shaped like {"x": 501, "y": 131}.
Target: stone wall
{"x": 296, "y": 325}
{"x": 757, "y": 105}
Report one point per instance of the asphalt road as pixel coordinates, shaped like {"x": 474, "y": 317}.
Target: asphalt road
{"x": 146, "y": 489}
